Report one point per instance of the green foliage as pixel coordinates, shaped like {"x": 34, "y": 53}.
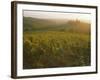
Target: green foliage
{"x": 55, "y": 49}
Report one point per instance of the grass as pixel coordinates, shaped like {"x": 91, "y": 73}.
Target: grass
{"x": 55, "y": 49}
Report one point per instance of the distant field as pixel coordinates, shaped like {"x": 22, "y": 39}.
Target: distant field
{"x": 45, "y": 47}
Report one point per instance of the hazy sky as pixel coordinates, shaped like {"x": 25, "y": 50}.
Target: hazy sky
{"x": 57, "y": 15}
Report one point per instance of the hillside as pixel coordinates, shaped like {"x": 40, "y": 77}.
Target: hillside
{"x": 34, "y": 24}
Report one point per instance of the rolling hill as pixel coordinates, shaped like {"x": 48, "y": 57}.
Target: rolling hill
{"x": 34, "y": 24}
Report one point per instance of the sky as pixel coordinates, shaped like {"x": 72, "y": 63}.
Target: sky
{"x": 58, "y": 15}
